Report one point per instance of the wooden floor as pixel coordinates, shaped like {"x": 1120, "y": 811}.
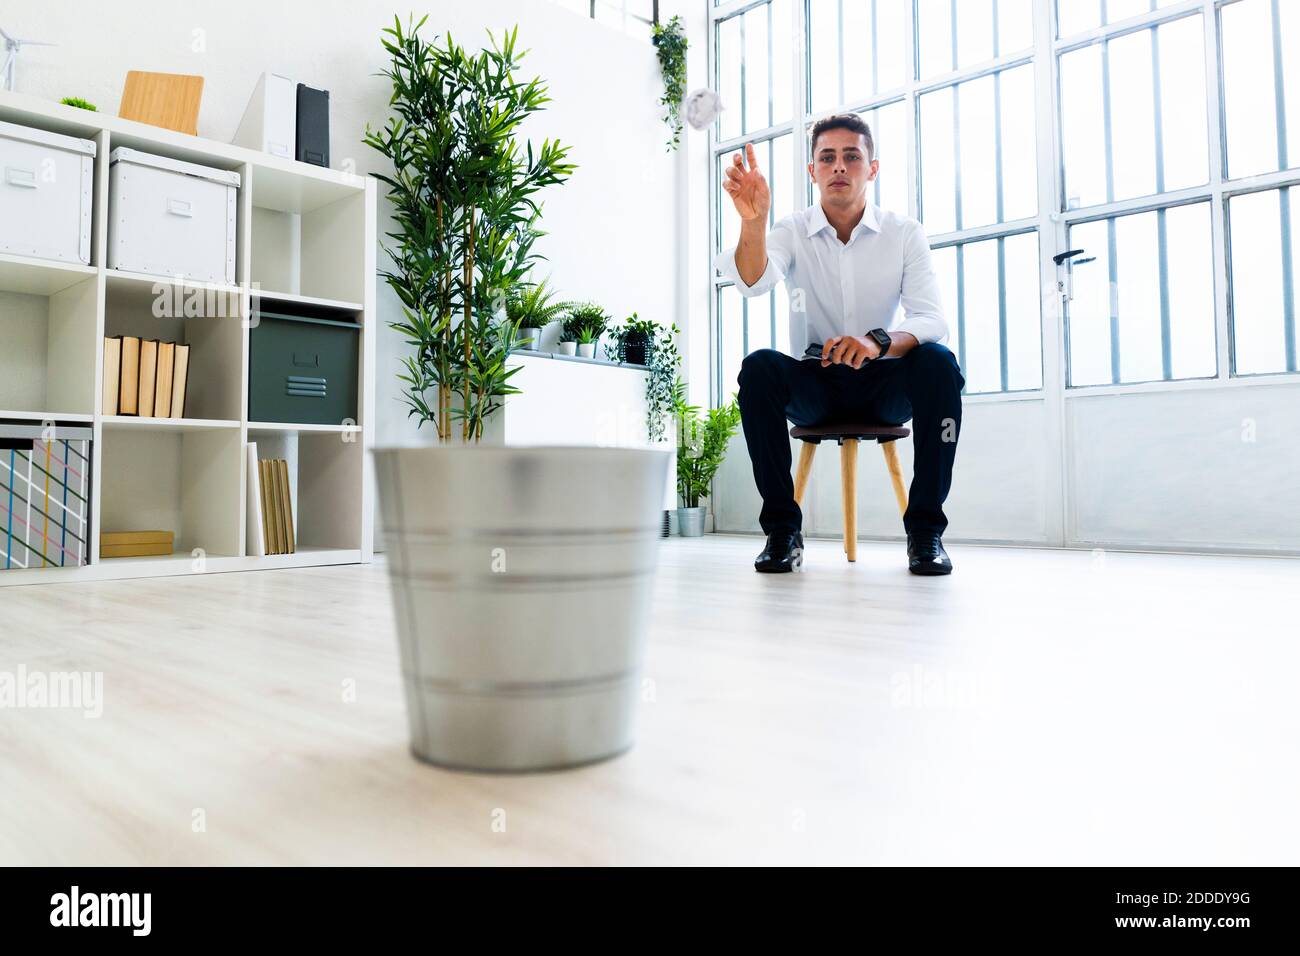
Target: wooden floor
{"x": 1036, "y": 707}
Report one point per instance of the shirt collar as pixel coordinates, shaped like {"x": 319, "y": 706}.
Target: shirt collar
{"x": 817, "y": 221}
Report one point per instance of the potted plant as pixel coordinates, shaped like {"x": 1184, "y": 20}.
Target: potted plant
{"x": 465, "y": 214}
{"x": 662, "y": 360}
{"x": 634, "y": 339}
{"x": 567, "y": 346}
{"x": 701, "y": 447}
{"x": 531, "y": 308}
{"x": 585, "y": 325}
{"x": 495, "y": 679}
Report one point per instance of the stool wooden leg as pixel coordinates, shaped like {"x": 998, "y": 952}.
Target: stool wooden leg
{"x": 895, "y": 474}
{"x": 804, "y": 470}
{"x": 849, "y": 480}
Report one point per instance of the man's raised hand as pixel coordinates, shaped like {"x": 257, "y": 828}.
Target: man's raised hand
{"x": 746, "y": 186}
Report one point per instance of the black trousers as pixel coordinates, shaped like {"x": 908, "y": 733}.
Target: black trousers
{"x": 924, "y": 386}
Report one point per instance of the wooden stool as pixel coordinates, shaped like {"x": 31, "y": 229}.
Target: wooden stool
{"x": 848, "y": 436}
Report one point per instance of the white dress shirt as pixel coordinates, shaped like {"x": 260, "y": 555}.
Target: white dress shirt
{"x": 849, "y": 288}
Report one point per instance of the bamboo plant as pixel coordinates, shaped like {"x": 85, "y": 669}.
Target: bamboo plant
{"x": 464, "y": 201}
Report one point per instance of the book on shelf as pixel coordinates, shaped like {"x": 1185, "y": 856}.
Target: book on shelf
{"x": 180, "y": 375}
{"x": 148, "y": 374}
{"x": 144, "y": 377}
{"x": 276, "y": 504}
{"x": 162, "y": 402}
{"x": 268, "y": 507}
{"x": 135, "y": 544}
{"x": 255, "y": 527}
{"x": 286, "y": 503}
{"x": 128, "y": 395}
{"x": 112, "y": 367}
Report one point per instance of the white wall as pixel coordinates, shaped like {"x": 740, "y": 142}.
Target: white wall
{"x": 610, "y": 228}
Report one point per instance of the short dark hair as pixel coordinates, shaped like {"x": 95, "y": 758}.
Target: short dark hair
{"x": 849, "y": 121}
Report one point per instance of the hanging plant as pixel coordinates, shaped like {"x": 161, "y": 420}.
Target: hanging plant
{"x": 663, "y": 362}
{"x": 670, "y": 41}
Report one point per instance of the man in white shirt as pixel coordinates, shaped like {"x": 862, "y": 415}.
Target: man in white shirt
{"x": 848, "y": 265}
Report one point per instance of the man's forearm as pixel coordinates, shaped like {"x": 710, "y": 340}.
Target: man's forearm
{"x": 900, "y": 344}
{"x": 751, "y": 250}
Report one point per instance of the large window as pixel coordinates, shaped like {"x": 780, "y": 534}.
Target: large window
{"x": 1171, "y": 161}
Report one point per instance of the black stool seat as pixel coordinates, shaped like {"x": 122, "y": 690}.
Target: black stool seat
{"x": 839, "y": 431}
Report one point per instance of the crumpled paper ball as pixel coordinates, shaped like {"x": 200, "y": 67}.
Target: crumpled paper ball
{"x": 702, "y": 108}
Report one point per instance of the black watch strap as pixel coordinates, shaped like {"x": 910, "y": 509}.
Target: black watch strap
{"x": 882, "y": 339}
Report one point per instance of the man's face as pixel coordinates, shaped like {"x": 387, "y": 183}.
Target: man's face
{"x": 841, "y": 169}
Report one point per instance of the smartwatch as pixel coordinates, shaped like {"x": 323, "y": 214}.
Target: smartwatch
{"x": 882, "y": 339}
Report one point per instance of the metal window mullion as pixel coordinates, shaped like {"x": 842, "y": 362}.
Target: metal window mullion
{"x": 1214, "y": 129}
{"x": 800, "y": 98}
{"x": 961, "y": 306}
{"x": 1110, "y": 197}
{"x": 1162, "y": 237}
{"x": 875, "y": 52}
{"x": 744, "y": 325}
{"x": 1002, "y": 311}
{"x": 1288, "y": 278}
{"x": 771, "y": 107}
{"x": 744, "y": 93}
{"x": 839, "y": 47}
{"x": 1166, "y": 340}
{"x": 1279, "y": 90}
{"x": 1112, "y": 267}
{"x": 1052, "y": 318}
{"x": 956, "y": 156}
{"x": 912, "y": 118}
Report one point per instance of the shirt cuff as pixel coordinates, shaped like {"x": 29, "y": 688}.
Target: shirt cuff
{"x": 725, "y": 263}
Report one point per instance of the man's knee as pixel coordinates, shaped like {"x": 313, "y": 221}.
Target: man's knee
{"x": 760, "y": 368}
{"x": 933, "y": 360}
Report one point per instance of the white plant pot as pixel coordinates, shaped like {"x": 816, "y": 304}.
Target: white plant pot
{"x": 568, "y": 348}
{"x": 587, "y": 349}
{"x": 522, "y": 591}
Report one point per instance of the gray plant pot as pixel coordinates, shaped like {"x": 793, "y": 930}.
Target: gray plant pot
{"x": 690, "y": 522}
{"x": 529, "y": 338}
{"x": 522, "y": 590}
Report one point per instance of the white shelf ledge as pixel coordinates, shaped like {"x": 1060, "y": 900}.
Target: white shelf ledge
{"x": 40, "y": 276}
{"x": 142, "y": 280}
{"x": 167, "y": 424}
{"x": 286, "y": 427}
{"x": 307, "y": 300}
{"x": 46, "y": 416}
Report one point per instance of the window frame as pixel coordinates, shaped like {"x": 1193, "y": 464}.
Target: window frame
{"x": 1053, "y": 220}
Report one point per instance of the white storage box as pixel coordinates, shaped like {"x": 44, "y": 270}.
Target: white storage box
{"x": 167, "y": 217}
{"x": 46, "y": 189}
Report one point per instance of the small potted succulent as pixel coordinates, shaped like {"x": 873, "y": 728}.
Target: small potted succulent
{"x": 585, "y": 325}
{"x": 567, "y": 346}
{"x": 701, "y": 447}
{"x": 531, "y": 308}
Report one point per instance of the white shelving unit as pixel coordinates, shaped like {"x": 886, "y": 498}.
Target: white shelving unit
{"x": 307, "y": 238}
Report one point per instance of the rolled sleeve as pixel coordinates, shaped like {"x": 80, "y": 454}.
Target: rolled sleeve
{"x": 780, "y": 253}
{"x": 920, "y": 300}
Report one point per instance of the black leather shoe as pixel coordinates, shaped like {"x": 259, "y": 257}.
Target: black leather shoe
{"x": 784, "y": 552}
{"x": 925, "y": 554}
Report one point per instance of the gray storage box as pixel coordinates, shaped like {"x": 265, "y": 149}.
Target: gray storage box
{"x": 303, "y": 370}
{"x": 46, "y": 194}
